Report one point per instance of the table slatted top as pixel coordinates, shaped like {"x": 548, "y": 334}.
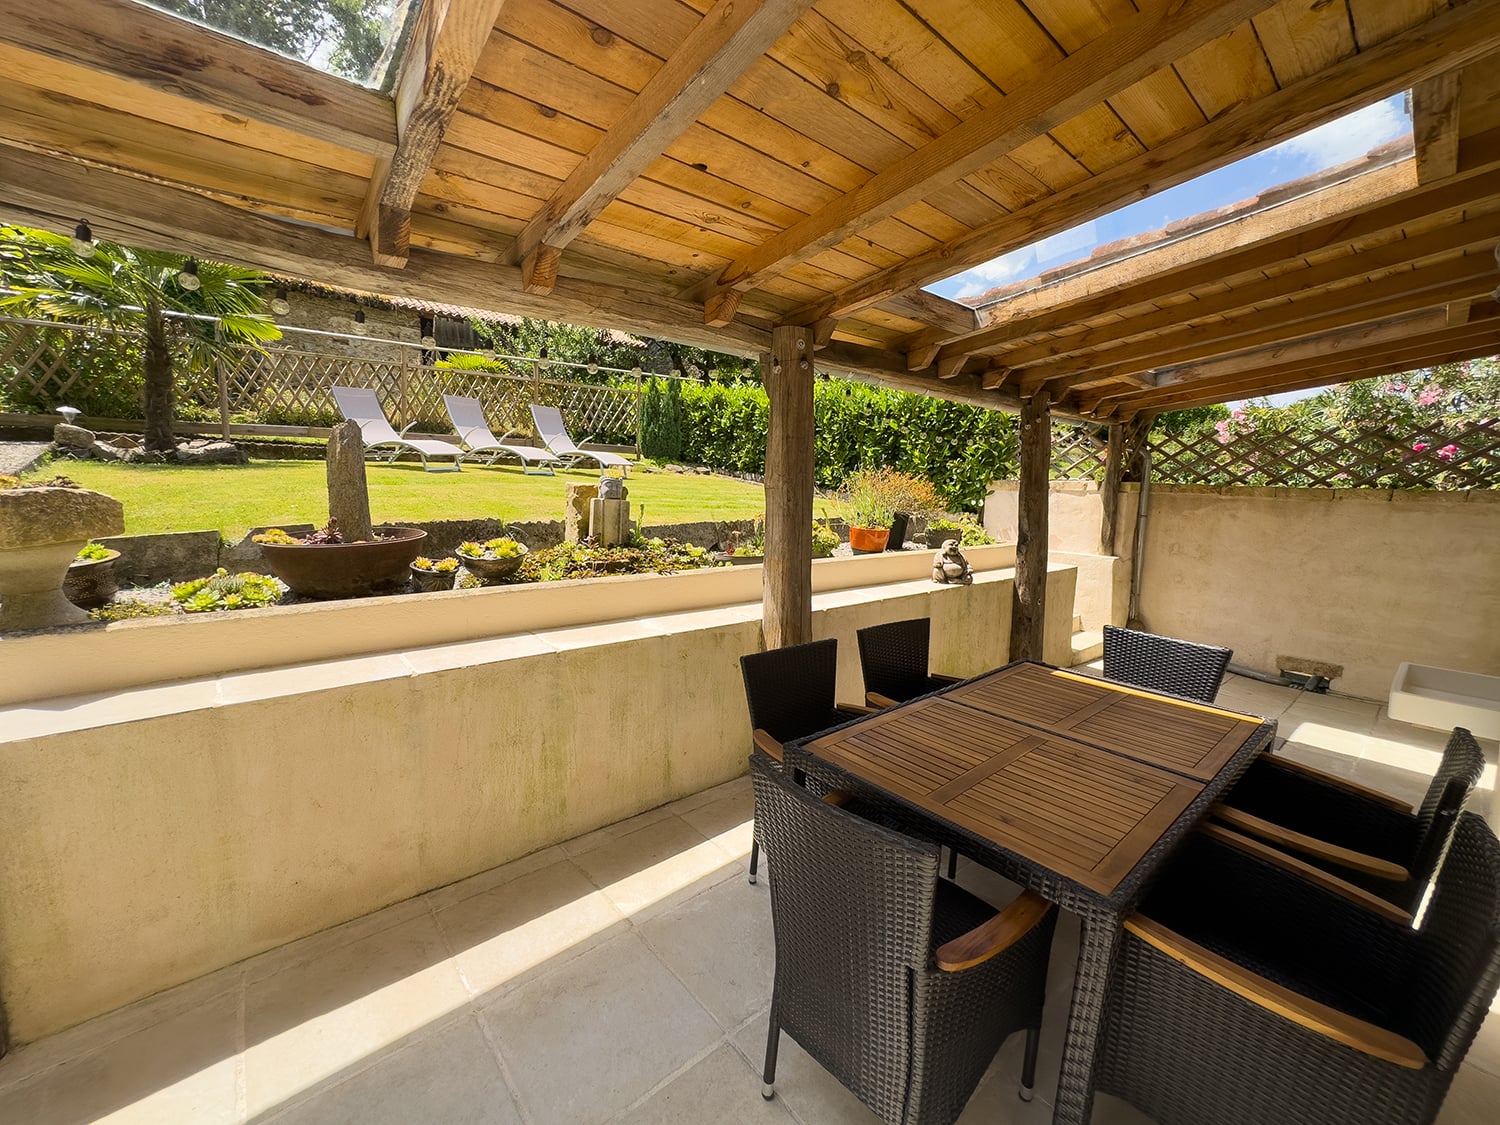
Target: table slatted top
{"x": 1189, "y": 738}
{"x": 1085, "y": 813}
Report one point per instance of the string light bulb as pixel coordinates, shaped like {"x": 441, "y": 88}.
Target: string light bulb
{"x": 359, "y": 322}
{"x": 82, "y": 243}
{"x": 280, "y": 306}
{"x": 429, "y": 342}
{"x": 187, "y": 277}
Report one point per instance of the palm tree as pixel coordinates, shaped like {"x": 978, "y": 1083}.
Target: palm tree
{"x": 121, "y": 287}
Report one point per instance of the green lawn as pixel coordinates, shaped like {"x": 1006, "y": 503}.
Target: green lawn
{"x": 234, "y": 499}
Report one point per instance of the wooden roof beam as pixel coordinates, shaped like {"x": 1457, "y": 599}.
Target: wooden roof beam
{"x": 439, "y": 58}
{"x": 1448, "y": 40}
{"x": 1358, "y": 364}
{"x": 219, "y": 73}
{"x": 732, "y": 35}
{"x": 1135, "y": 48}
{"x": 1470, "y": 275}
{"x": 1461, "y": 235}
{"x": 1434, "y": 119}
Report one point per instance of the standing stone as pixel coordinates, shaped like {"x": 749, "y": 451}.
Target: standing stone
{"x": 609, "y": 521}
{"x": 348, "y": 492}
{"x": 576, "y": 510}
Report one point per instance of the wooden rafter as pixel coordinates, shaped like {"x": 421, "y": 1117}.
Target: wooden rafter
{"x": 1141, "y": 44}
{"x": 1442, "y": 43}
{"x": 440, "y": 57}
{"x": 1453, "y": 279}
{"x": 1460, "y": 235}
{"x": 1434, "y": 118}
{"x": 732, "y": 35}
{"x": 221, "y": 74}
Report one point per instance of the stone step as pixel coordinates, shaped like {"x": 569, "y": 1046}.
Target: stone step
{"x": 1087, "y": 646}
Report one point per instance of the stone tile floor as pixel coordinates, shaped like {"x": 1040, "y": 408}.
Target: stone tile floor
{"x": 623, "y": 976}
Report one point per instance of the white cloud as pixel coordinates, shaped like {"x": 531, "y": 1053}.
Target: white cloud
{"x": 1350, "y": 136}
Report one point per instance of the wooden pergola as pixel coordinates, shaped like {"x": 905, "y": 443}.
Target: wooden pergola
{"x": 781, "y": 177}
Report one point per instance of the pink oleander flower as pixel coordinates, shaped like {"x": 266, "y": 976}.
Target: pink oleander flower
{"x": 1238, "y": 415}
{"x": 1429, "y": 396}
{"x": 1418, "y": 446}
{"x": 1224, "y": 435}
{"x": 1447, "y": 453}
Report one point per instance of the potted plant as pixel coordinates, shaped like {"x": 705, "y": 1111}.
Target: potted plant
{"x": 869, "y": 500}
{"x": 323, "y": 565}
{"x": 90, "y": 581}
{"x": 825, "y": 540}
{"x": 492, "y": 561}
{"x": 965, "y": 529}
{"x": 429, "y": 576}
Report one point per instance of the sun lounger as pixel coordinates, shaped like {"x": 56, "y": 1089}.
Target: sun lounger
{"x": 554, "y": 435}
{"x": 359, "y": 404}
{"x": 467, "y": 416}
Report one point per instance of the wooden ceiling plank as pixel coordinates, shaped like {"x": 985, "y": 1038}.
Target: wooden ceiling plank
{"x": 440, "y": 56}
{"x": 732, "y": 36}
{"x": 1140, "y": 45}
{"x": 1460, "y": 235}
{"x": 1449, "y": 40}
{"x": 221, "y": 74}
{"x": 1435, "y": 130}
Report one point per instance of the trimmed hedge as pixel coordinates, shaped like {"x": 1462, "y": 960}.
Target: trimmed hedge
{"x": 959, "y": 448}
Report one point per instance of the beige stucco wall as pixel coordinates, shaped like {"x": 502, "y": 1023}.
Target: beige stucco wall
{"x": 155, "y": 832}
{"x": 1359, "y": 577}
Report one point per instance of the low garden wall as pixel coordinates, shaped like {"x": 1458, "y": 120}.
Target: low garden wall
{"x": 230, "y": 783}
{"x": 1365, "y": 578}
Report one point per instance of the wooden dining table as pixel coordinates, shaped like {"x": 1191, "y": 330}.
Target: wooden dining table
{"x": 1075, "y": 787}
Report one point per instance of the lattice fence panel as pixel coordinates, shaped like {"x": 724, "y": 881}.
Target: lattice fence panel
{"x": 44, "y": 366}
{"x": 1078, "y": 452}
{"x": 287, "y": 387}
{"x": 1354, "y": 456}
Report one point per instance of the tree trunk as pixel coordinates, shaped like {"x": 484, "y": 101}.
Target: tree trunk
{"x": 158, "y": 371}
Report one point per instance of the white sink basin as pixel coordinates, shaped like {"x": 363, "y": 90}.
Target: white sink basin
{"x": 1444, "y": 698}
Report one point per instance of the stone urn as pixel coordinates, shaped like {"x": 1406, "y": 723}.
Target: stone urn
{"x": 42, "y": 529}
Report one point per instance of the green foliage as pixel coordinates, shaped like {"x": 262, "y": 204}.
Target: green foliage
{"x": 94, "y": 551}
{"x": 224, "y": 591}
{"x": 824, "y": 540}
{"x": 440, "y": 566}
{"x": 587, "y": 560}
{"x": 276, "y": 537}
{"x": 959, "y": 448}
{"x": 130, "y": 609}
{"x": 502, "y": 548}
{"x": 966, "y": 530}
{"x": 662, "y": 420}
{"x": 301, "y": 28}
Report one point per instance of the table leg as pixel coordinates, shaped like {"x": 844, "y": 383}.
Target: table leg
{"x": 1098, "y": 939}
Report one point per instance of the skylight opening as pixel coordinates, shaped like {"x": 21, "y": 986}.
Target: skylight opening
{"x": 1362, "y": 139}
{"x": 355, "y": 39}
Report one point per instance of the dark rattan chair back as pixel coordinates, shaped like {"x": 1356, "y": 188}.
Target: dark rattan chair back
{"x": 1461, "y": 767}
{"x": 1164, "y": 663}
{"x": 791, "y": 690}
{"x": 1456, "y": 967}
{"x": 859, "y": 913}
{"x": 893, "y": 658}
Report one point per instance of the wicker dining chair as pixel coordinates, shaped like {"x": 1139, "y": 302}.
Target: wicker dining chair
{"x": 1164, "y": 663}
{"x": 1367, "y": 837}
{"x": 902, "y": 985}
{"x": 893, "y": 658}
{"x": 1242, "y": 994}
{"x": 791, "y": 693}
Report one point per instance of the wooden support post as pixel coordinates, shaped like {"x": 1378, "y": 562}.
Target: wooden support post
{"x": 1113, "y": 469}
{"x": 787, "y": 596}
{"x": 223, "y": 378}
{"x": 1030, "y": 601}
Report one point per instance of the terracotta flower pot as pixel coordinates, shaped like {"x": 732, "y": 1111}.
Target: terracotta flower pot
{"x": 91, "y": 582}
{"x": 868, "y": 540}
{"x": 347, "y": 570}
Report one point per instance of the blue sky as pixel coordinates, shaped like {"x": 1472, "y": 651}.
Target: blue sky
{"x": 1350, "y": 136}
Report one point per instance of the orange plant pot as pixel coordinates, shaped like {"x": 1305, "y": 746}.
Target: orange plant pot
{"x": 868, "y": 540}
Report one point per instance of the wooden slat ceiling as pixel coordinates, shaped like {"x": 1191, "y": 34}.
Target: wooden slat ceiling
{"x": 704, "y": 171}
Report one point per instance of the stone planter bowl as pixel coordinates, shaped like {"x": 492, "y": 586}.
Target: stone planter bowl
{"x": 41, "y": 532}
{"x": 91, "y": 582}
{"x": 347, "y": 570}
{"x": 432, "y": 581}
{"x": 490, "y": 571}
